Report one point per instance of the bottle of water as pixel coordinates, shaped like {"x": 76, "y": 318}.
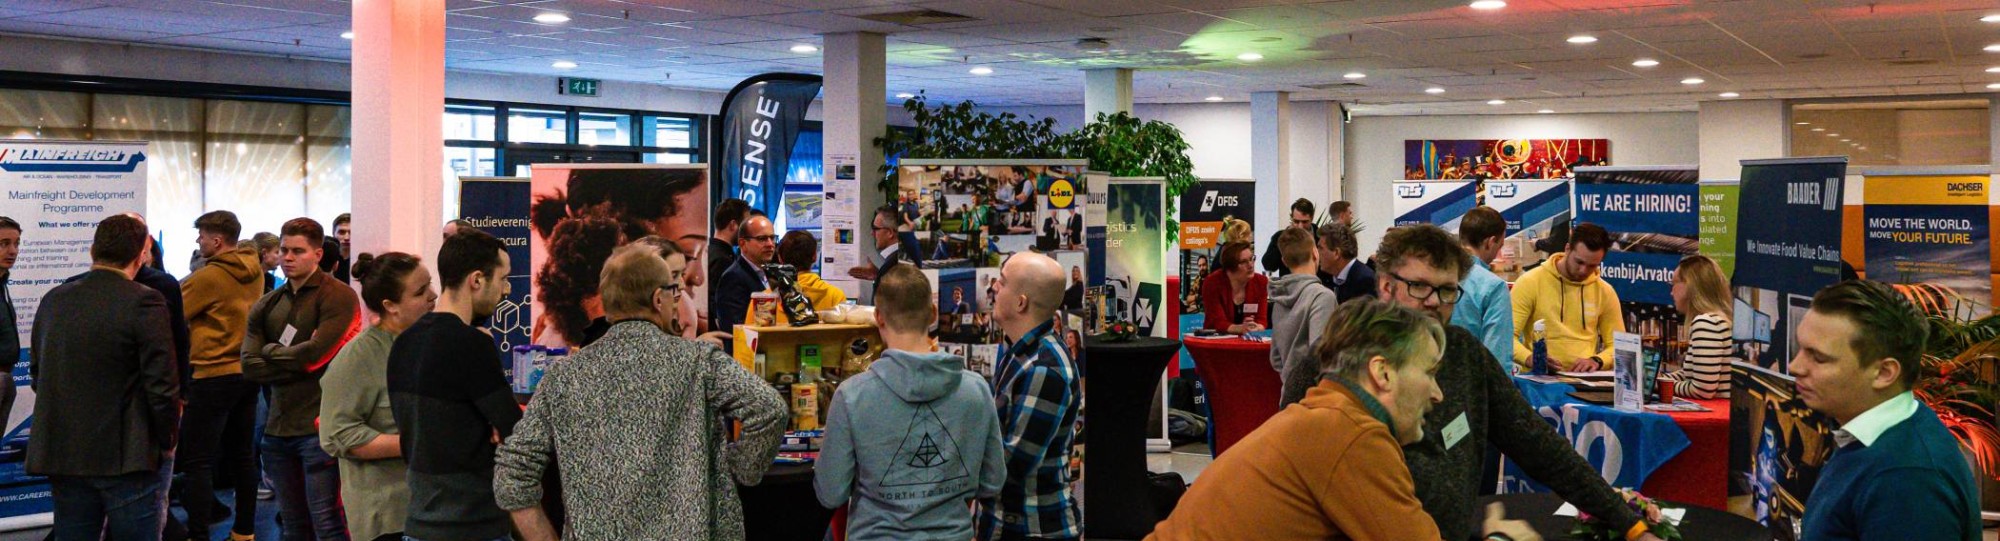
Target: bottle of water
{"x": 1541, "y": 366}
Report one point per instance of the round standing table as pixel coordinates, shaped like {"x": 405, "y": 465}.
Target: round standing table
{"x": 1119, "y": 378}
{"x": 1243, "y": 389}
{"x": 1701, "y": 523}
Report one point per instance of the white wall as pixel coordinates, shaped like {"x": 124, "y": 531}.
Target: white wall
{"x": 1375, "y": 147}
{"x": 1737, "y": 130}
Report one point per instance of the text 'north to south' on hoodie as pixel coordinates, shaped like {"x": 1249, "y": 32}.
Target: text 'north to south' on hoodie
{"x": 1300, "y": 308}
{"x": 908, "y": 444}
{"x": 1579, "y": 316}
{"x": 216, "y": 299}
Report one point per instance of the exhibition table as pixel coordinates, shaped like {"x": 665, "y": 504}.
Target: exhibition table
{"x": 783, "y": 506}
{"x": 1243, "y": 389}
{"x": 1700, "y": 523}
{"x": 1692, "y": 446}
{"x": 1119, "y": 379}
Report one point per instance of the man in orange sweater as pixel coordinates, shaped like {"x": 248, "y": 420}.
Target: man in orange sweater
{"x": 1331, "y": 466}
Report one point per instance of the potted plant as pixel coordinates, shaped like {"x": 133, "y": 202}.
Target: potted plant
{"x": 1960, "y": 380}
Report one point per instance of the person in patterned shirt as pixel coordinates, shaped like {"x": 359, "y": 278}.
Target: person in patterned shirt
{"x": 1039, "y": 392}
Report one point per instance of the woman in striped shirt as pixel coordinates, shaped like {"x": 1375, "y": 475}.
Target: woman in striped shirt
{"x": 1701, "y": 295}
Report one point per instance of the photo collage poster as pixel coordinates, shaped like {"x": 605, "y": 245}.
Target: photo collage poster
{"x": 581, "y": 213}
{"x": 968, "y": 217}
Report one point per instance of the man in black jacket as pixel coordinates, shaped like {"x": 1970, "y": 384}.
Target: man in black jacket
{"x": 731, "y": 299}
{"x": 1338, "y": 269}
{"x": 104, "y": 462}
{"x": 10, "y": 336}
{"x": 728, "y": 223}
{"x": 1302, "y": 218}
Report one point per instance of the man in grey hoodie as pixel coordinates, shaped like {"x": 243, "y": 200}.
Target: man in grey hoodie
{"x": 928, "y": 440}
{"x": 1300, "y": 304}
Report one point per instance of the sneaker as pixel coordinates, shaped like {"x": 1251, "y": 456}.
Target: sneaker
{"x": 264, "y": 491}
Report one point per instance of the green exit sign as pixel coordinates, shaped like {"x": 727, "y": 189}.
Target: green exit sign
{"x": 577, "y": 87}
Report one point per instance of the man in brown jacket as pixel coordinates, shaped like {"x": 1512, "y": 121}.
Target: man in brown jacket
{"x": 294, "y": 331}
{"x": 221, "y": 406}
{"x": 1331, "y": 466}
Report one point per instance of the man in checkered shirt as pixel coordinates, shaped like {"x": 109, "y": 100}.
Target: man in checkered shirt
{"x": 1039, "y": 392}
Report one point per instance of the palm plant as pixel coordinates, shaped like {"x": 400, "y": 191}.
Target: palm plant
{"x": 1959, "y": 376}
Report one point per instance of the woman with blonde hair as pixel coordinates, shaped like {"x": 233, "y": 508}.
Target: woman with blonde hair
{"x": 1234, "y": 231}
{"x": 1701, "y": 295}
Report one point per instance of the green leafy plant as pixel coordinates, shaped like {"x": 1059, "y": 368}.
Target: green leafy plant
{"x": 1125, "y": 146}
{"x": 1960, "y": 373}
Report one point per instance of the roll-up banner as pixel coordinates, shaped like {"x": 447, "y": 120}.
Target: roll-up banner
{"x": 1717, "y": 237}
{"x": 1530, "y": 207}
{"x": 57, "y": 191}
{"x": 1929, "y": 231}
{"x": 499, "y": 205}
{"x": 582, "y": 212}
{"x": 1202, "y": 211}
{"x": 1441, "y": 202}
{"x": 1135, "y": 245}
{"x": 760, "y": 122}
{"x": 1790, "y": 252}
{"x": 1653, "y": 219}
{"x": 1095, "y": 235}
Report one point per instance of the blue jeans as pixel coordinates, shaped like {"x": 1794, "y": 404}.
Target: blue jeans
{"x": 307, "y": 481}
{"x": 118, "y": 508}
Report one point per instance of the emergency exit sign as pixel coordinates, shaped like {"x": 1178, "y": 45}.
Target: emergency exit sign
{"x": 577, "y": 86}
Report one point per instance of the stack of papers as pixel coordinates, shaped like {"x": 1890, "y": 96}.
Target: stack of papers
{"x": 1680, "y": 404}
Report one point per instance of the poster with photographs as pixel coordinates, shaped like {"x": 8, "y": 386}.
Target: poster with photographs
{"x": 969, "y": 215}
{"x": 1201, "y": 237}
{"x": 581, "y": 212}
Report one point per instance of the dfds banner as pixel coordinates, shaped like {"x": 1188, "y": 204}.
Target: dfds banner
{"x": 760, "y": 122}
{"x": 1652, "y": 213}
{"x": 1435, "y": 202}
{"x": 1931, "y": 232}
{"x": 58, "y": 191}
{"x": 1202, "y": 210}
{"x": 500, "y": 206}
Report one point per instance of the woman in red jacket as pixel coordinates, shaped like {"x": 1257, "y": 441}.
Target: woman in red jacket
{"x": 1234, "y": 298}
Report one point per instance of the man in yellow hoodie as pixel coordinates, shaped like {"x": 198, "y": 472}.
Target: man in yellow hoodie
{"x": 1578, "y": 309}
{"x": 222, "y": 406}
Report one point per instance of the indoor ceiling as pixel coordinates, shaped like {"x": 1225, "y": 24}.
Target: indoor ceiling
{"x": 1185, "y": 50}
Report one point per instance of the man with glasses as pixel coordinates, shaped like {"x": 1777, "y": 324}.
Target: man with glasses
{"x": 1422, "y": 266}
{"x": 1578, "y": 309}
{"x": 1302, "y": 219}
{"x": 887, "y": 230}
{"x": 757, "y": 244}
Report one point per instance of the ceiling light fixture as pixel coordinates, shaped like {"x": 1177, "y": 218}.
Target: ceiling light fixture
{"x": 1846, "y": 140}
{"x": 1582, "y": 39}
{"x": 1355, "y": 75}
{"x": 551, "y": 18}
{"x": 982, "y": 70}
{"x": 1994, "y": 48}
{"x": 803, "y": 48}
{"x": 1994, "y": 69}
{"x": 1434, "y": 90}
{"x": 1692, "y": 81}
{"x": 1802, "y": 123}
{"x": 1832, "y": 135}
{"x": 350, "y": 35}
{"x": 1546, "y": 111}
{"x": 904, "y": 95}
{"x": 1990, "y": 19}
{"x": 1249, "y": 57}
{"x": 1496, "y": 102}
{"x": 1212, "y": 98}
{"x": 1728, "y": 94}
{"x": 1819, "y": 129}
{"x": 1489, "y": 4}
{"x": 1994, "y": 86}
{"x": 563, "y": 65}
{"x": 1645, "y": 62}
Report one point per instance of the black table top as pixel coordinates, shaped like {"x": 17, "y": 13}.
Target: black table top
{"x": 1701, "y": 523}
{"x": 1098, "y": 345}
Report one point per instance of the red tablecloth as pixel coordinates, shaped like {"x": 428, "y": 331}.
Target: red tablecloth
{"x": 1242, "y": 388}
{"x": 1699, "y": 475}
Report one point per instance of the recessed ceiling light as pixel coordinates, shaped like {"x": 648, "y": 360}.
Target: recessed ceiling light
{"x": 1579, "y": 39}
{"x": 563, "y": 65}
{"x": 1249, "y": 57}
{"x": 1496, "y": 102}
{"x": 904, "y": 95}
{"x": 1990, "y": 19}
{"x": 1994, "y": 86}
{"x": 1994, "y": 48}
{"x": 1729, "y": 94}
{"x": 1833, "y": 135}
{"x": 1546, "y": 111}
{"x": 1692, "y": 81}
{"x": 1434, "y": 90}
{"x": 1803, "y": 123}
{"x": 1212, "y": 98}
{"x": 551, "y": 18}
{"x": 1994, "y": 69}
{"x": 1819, "y": 129}
{"x": 982, "y": 70}
{"x": 1846, "y": 140}
{"x": 350, "y": 35}
{"x": 1863, "y": 148}
{"x": 804, "y": 48}
{"x": 1489, "y": 4}
{"x": 1645, "y": 62}
{"x": 1355, "y": 75}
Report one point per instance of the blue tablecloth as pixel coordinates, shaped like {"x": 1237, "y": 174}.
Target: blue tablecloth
{"x": 1624, "y": 446}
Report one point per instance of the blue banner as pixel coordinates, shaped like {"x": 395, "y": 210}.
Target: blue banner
{"x": 1668, "y": 209}
{"x": 1653, "y": 214}
{"x": 500, "y": 207}
{"x": 1624, "y": 447}
{"x": 1787, "y": 249}
{"x": 1641, "y": 277}
{"x": 760, "y": 123}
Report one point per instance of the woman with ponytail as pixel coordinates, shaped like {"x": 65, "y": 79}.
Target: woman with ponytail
{"x": 355, "y": 422}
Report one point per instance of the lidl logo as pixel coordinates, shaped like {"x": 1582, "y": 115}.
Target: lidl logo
{"x": 1061, "y": 194}
{"x": 1505, "y": 189}
{"x": 69, "y": 160}
{"x": 1409, "y": 191}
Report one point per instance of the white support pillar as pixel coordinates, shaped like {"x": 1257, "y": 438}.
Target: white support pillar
{"x": 398, "y": 82}
{"x": 1270, "y": 160}
{"x": 1107, "y": 91}
{"x": 854, "y": 108}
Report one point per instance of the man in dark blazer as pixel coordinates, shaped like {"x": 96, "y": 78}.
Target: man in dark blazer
{"x": 107, "y": 393}
{"x": 1075, "y": 230}
{"x": 1338, "y": 269}
{"x": 728, "y": 223}
{"x": 757, "y": 246}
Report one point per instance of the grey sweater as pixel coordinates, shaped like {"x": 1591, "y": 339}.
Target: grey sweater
{"x": 1300, "y": 308}
{"x": 909, "y": 442}
{"x": 639, "y": 418}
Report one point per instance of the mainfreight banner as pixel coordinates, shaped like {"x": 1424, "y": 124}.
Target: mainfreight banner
{"x": 1202, "y": 211}
{"x": 1653, "y": 219}
{"x": 58, "y": 191}
{"x": 760, "y": 122}
{"x": 500, "y": 206}
{"x": 1434, "y": 202}
{"x": 1931, "y": 234}
{"x": 1717, "y": 235}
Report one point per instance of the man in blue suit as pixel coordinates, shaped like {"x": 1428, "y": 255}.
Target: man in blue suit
{"x": 1339, "y": 268}
{"x": 757, "y": 244}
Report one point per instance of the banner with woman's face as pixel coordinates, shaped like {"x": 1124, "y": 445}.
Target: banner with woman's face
{"x": 583, "y": 212}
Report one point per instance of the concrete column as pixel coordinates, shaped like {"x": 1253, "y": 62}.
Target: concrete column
{"x": 1107, "y": 91}
{"x": 1731, "y": 131}
{"x": 398, "y": 81}
{"x": 1270, "y": 160}
{"x": 855, "y": 102}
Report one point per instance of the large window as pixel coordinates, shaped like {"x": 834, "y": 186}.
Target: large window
{"x": 604, "y": 129}
{"x": 1895, "y": 132}
{"x": 469, "y": 123}
{"x": 537, "y": 126}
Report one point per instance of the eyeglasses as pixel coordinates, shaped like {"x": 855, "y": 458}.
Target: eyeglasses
{"x": 671, "y": 289}
{"x": 763, "y": 238}
{"x": 1423, "y": 291}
